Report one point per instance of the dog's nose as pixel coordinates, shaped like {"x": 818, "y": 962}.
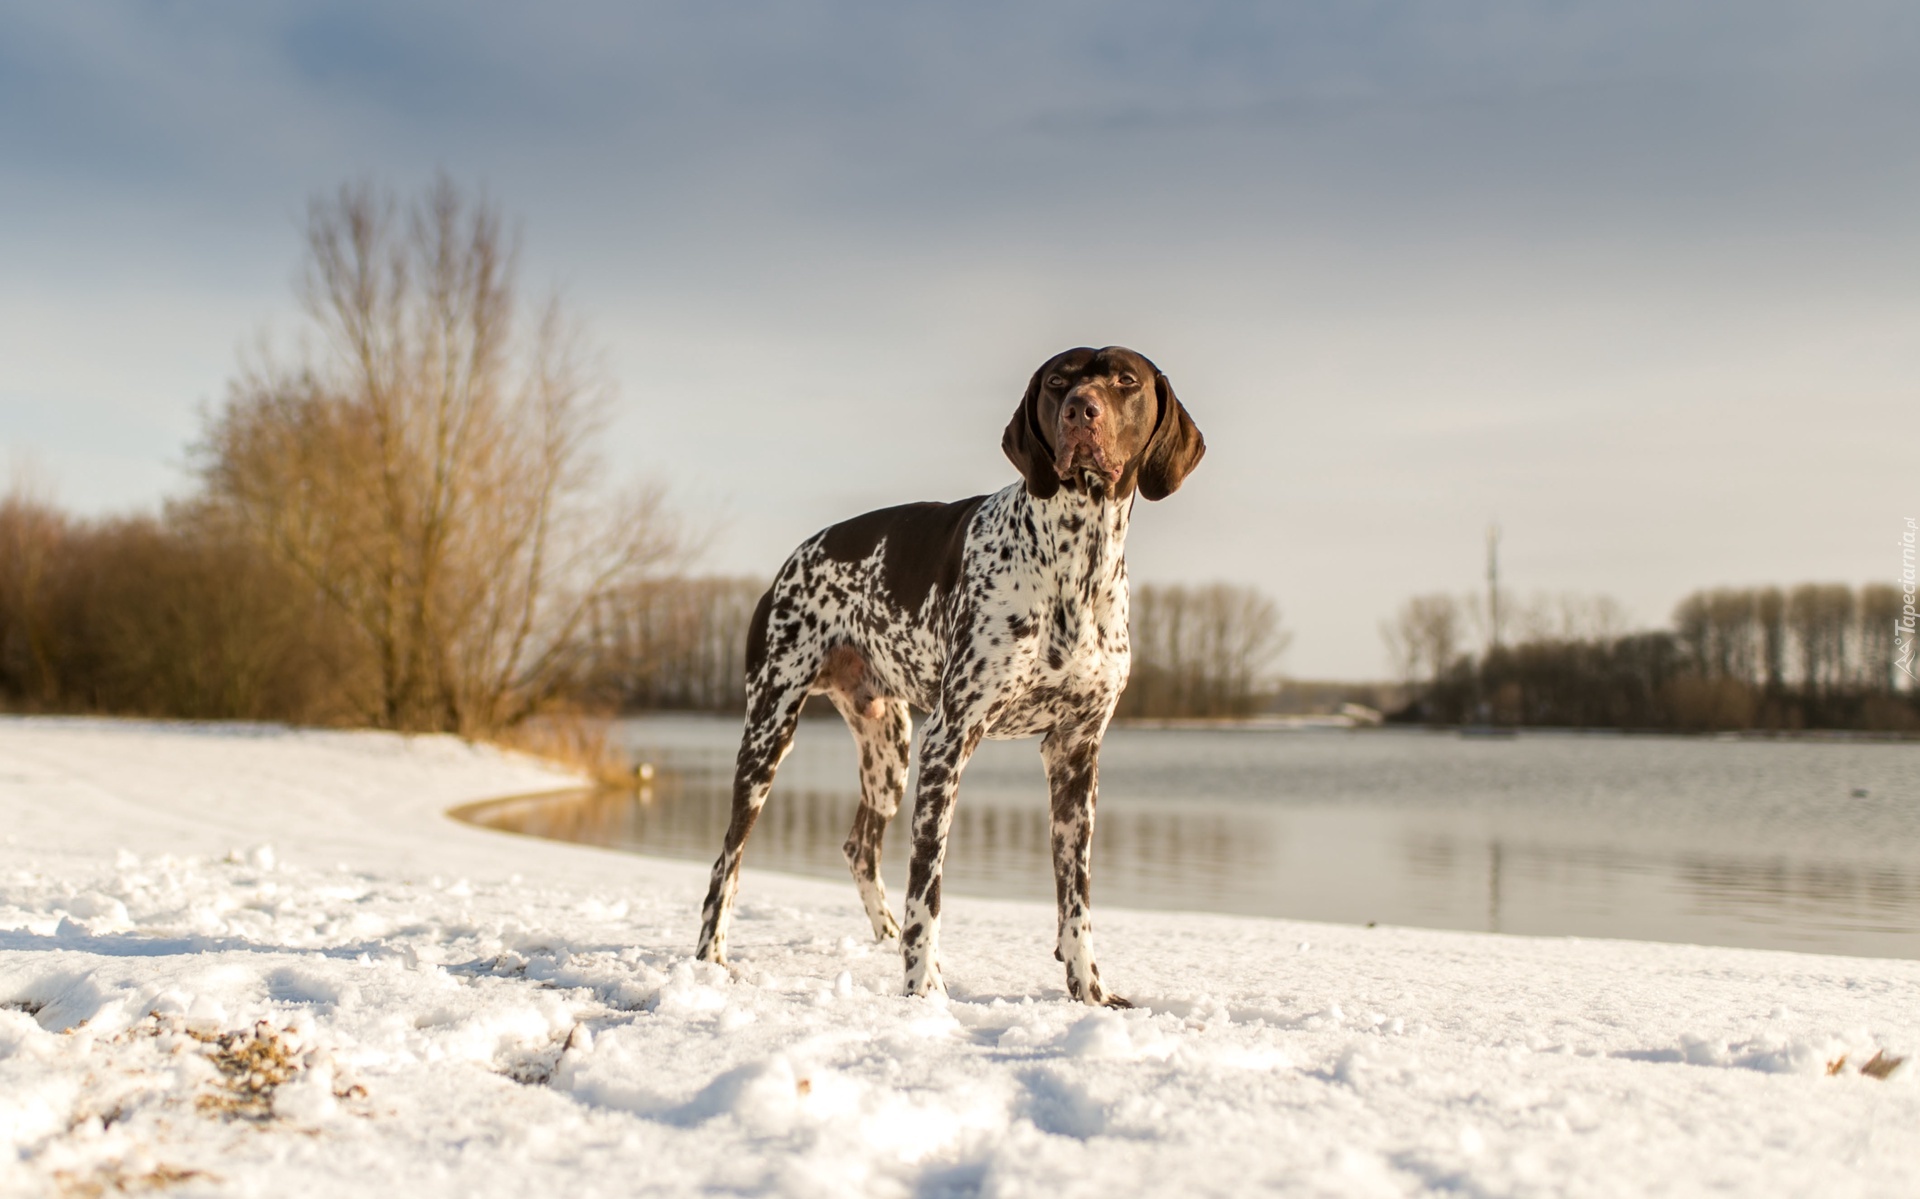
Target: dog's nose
{"x": 1081, "y": 410}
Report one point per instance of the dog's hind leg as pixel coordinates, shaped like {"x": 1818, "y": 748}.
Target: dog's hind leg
{"x": 883, "y": 729}
{"x": 773, "y": 708}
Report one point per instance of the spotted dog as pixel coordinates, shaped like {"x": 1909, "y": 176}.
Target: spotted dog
{"x": 1003, "y": 615}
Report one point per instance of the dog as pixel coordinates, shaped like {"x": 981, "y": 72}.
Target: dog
{"x": 1002, "y": 616}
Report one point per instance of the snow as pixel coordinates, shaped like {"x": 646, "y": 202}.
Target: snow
{"x": 242, "y": 960}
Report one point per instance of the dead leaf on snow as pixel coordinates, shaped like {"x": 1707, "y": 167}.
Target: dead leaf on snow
{"x": 1882, "y": 1065}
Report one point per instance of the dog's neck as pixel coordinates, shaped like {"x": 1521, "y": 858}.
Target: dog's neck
{"x": 1082, "y": 540}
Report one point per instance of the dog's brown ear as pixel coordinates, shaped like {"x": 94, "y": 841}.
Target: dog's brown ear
{"x": 1175, "y": 448}
{"x": 1027, "y": 447}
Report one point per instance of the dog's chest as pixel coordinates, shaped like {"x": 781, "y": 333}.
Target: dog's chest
{"x": 1050, "y": 616}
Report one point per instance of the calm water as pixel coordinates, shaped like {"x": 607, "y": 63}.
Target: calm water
{"x": 1773, "y": 844}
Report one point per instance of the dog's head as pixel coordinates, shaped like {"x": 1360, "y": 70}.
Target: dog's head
{"x": 1102, "y": 422}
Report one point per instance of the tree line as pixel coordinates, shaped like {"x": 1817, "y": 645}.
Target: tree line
{"x": 403, "y": 523}
{"x": 192, "y": 614}
{"x": 1207, "y": 651}
{"x": 1814, "y": 656}
{"x": 181, "y": 614}
{"x": 679, "y": 643}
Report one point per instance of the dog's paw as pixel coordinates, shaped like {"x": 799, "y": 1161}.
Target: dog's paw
{"x": 1086, "y": 988}
{"x": 1098, "y": 996}
{"x": 923, "y": 983}
{"x": 886, "y": 928}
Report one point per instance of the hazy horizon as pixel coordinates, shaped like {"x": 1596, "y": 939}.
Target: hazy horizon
{"x": 1635, "y": 281}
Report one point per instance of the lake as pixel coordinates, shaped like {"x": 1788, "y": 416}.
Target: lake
{"x": 1781, "y": 844}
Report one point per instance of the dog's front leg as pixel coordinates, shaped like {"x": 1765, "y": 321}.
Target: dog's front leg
{"x": 1073, "y": 779}
{"x": 945, "y": 745}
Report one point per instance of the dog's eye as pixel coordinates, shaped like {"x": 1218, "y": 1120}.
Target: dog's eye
{"x": 1055, "y": 381}
{"x": 1128, "y": 380}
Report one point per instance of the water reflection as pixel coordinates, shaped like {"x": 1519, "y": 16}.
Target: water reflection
{"x": 1658, "y": 839}
{"x": 1144, "y": 859}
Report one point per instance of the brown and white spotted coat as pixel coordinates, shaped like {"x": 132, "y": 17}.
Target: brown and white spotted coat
{"x": 999, "y": 616}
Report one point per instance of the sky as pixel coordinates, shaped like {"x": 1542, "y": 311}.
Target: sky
{"x": 1640, "y": 282}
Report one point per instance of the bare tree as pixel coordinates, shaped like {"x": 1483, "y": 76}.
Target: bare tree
{"x": 676, "y": 642}
{"x": 1202, "y": 651}
{"x": 1693, "y": 625}
{"x": 1804, "y": 620}
{"x": 1731, "y": 614}
{"x": 1563, "y": 616}
{"x": 1237, "y": 639}
{"x": 1822, "y": 617}
{"x": 1770, "y": 610}
{"x": 1837, "y": 625}
{"x": 1880, "y": 605}
{"x": 1721, "y": 632}
{"x": 429, "y": 469}
{"x": 1425, "y": 637}
{"x": 1602, "y": 618}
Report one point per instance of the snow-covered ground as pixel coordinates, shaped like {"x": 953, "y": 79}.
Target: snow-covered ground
{"x": 251, "y": 961}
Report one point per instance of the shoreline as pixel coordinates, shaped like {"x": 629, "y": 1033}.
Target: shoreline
{"x": 1337, "y": 723}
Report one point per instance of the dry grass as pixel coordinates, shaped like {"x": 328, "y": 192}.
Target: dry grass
{"x": 113, "y": 1179}
{"x": 1882, "y": 1065}
{"x": 575, "y": 741}
{"x": 252, "y": 1064}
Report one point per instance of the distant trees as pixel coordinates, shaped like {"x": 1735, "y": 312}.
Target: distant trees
{"x": 1814, "y": 656}
{"x": 1425, "y": 637}
{"x": 176, "y": 615}
{"x": 1815, "y": 638}
{"x": 426, "y": 468}
{"x": 1880, "y": 608}
{"x": 1429, "y": 634}
{"x": 1818, "y": 655}
{"x": 1202, "y": 651}
{"x": 677, "y": 642}
{"x": 1770, "y": 615}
